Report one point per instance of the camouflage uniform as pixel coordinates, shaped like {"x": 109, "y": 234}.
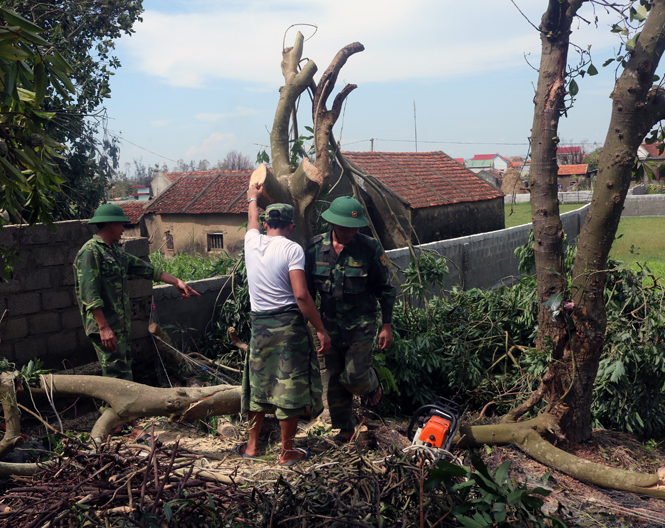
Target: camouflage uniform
{"x": 282, "y": 370}
{"x": 100, "y": 281}
{"x": 349, "y": 284}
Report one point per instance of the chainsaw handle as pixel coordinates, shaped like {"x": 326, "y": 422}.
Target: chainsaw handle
{"x": 414, "y": 418}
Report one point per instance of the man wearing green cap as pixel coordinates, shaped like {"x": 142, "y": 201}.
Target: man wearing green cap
{"x": 350, "y": 273}
{"x": 282, "y": 370}
{"x": 100, "y": 280}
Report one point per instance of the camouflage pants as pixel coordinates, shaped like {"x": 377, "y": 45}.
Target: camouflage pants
{"x": 116, "y": 363}
{"x": 348, "y": 370}
{"x": 281, "y": 367}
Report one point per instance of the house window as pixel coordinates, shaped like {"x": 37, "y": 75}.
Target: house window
{"x": 215, "y": 241}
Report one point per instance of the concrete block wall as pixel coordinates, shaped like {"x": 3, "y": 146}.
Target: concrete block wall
{"x": 644, "y": 205}
{"x": 564, "y": 197}
{"x": 40, "y": 315}
{"x": 487, "y": 259}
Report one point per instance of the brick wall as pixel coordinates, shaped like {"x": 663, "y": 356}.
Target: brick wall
{"x": 41, "y": 317}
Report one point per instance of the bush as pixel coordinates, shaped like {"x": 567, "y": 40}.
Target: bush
{"x": 195, "y": 266}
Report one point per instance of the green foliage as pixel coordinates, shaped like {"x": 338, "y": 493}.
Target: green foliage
{"x": 29, "y": 66}
{"x": 29, "y": 373}
{"x": 188, "y": 267}
{"x": 81, "y": 34}
{"x": 487, "y": 499}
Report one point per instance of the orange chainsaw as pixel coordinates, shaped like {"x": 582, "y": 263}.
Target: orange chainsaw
{"x": 436, "y": 424}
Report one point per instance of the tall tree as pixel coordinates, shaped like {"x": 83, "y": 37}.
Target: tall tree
{"x": 83, "y": 33}
{"x": 235, "y": 160}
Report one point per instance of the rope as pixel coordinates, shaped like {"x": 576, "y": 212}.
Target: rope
{"x": 154, "y": 319}
{"x": 49, "y": 396}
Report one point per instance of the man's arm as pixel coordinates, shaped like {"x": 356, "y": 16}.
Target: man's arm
{"x": 105, "y": 333}
{"x": 183, "y": 288}
{"x": 385, "y": 294}
{"x": 255, "y": 190}
{"x": 308, "y": 308}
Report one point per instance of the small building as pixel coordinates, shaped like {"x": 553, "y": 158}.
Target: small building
{"x": 135, "y": 211}
{"x": 143, "y": 193}
{"x": 440, "y": 198}
{"x": 650, "y": 152}
{"x": 162, "y": 180}
{"x": 492, "y": 177}
{"x": 570, "y": 176}
{"x": 569, "y": 155}
{"x": 486, "y": 162}
{"x": 200, "y": 212}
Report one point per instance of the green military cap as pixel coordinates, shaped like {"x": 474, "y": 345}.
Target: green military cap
{"x": 280, "y": 211}
{"x": 346, "y": 211}
{"x": 109, "y": 213}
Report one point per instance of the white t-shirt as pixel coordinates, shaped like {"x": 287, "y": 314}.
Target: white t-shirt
{"x": 269, "y": 260}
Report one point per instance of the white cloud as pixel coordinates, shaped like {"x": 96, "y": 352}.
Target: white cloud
{"x": 240, "y": 112}
{"x": 419, "y": 39}
{"x": 211, "y": 145}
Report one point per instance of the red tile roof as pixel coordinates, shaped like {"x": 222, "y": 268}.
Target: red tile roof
{"x": 204, "y": 192}
{"x": 424, "y": 179}
{"x": 652, "y": 149}
{"x": 482, "y": 157}
{"x": 133, "y": 210}
{"x": 569, "y": 170}
{"x": 459, "y": 160}
{"x": 569, "y": 150}
{"x": 173, "y": 176}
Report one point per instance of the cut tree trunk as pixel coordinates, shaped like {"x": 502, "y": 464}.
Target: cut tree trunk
{"x": 128, "y": 400}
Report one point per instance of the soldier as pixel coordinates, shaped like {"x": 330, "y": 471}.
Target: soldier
{"x": 281, "y": 371}
{"x": 350, "y": 273}
{"x": 100, "y": 280}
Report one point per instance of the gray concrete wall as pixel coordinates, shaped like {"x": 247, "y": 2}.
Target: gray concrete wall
{"x": 195, "y": 315}
{"x": 487, "y": 259}
{"x": 644, "y": 205}
{"x": 564, "y": 197}
{"x": 40, "y": 315}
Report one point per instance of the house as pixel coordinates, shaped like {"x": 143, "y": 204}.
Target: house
{"x": 487, "y": 161}
{"x": 650, "y": 152}
{"x": 142, "y": 192}
{"x": 440, "y": 198}
{"x": 492, "y": 177}
{"x": 135, "y": 211}
{"x": 570, "y": 175}
{"x": 569, "y": 155}
{"x": 200, "y": 211}
{"x": 459, "y": 160}
{"x": 162, "y": 180}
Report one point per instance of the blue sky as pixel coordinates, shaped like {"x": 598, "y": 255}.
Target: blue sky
{"x": 200, "y": 78}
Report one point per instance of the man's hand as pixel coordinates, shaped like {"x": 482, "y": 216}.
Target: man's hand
{"x": 186, "y": 290}
{"x": 255, "y": 191}
{"x": 324, "y": 339}
{"x": 385, "y": 336}
{"x": 109, "y": 340}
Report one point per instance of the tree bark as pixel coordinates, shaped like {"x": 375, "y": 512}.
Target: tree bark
{"x": 548, "y": 231}
{"x": 636, "y": 108}
{"x": 128, "y": 400}
{"x": 528, "y": 436}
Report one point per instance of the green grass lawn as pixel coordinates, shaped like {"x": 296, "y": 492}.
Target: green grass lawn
{"x": 521, "y": 212}
{"x": 638, "y": 239}
{"x": 641, "y": 240}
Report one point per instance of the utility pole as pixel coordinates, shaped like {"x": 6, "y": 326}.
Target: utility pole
{"x": 372, "y": 147}
{"x": 415, "y": 125}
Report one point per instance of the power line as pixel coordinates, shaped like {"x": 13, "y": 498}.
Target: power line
{"x": 139, "y": 146}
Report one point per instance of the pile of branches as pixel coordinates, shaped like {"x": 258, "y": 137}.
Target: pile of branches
{"x": 117, "y": 485}
{"x": 120, "y": 485}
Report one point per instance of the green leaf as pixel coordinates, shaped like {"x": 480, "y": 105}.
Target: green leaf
{"x": 573, "y": 89}
{"x": 592, "y": 70}
{"x": 638, "y": 14}
{"x": 554, "y": 302}
{"x": 630, "y": 45}
{"x": 12, "y": 53}
{"x": 27, "y": 96}
{"x": 20, "y": 178}
{"x": 64, "y": 79}
{"x": 59, "y": 62}
{"x": 40, "y": 82}
{"x": 608, "y": 61}
{"x": 502, "y": 473}
{"x": 14, "y": 19}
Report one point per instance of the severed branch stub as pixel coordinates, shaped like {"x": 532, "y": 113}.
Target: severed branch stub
{"x": 236, "y": 341}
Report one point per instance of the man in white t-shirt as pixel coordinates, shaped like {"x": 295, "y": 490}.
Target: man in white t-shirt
{"x": 282, "y": 370}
